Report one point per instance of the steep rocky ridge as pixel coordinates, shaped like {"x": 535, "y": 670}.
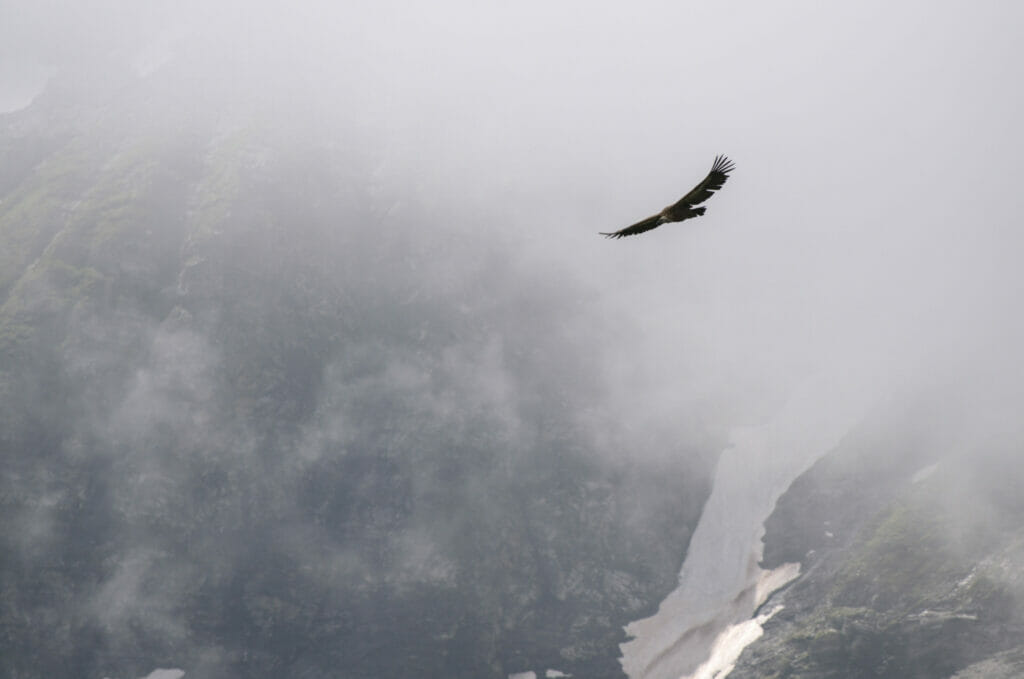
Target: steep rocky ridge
{"x": 912, "y": 554}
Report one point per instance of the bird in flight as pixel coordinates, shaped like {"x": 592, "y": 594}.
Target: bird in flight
{"x": 683, "y": 208}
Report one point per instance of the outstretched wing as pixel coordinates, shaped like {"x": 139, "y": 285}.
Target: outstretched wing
{"x": 701, "y": 192}
{"x": 651, "y": 222}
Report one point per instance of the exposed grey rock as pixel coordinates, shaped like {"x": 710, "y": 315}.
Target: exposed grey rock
{"x": 921, "y": 577}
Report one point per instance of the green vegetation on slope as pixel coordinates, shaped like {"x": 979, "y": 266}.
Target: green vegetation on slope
{"x": 925, "y": 585}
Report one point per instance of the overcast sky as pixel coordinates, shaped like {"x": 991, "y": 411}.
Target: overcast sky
{"x": 871, "y": 223}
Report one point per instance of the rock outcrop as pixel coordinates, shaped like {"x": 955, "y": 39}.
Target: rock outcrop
{"x": 912, "y": 555}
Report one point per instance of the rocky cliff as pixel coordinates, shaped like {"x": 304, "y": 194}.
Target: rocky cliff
{"x": 912, "y": 555}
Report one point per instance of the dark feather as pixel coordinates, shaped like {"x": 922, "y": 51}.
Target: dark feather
{"x": 701, "y": 192}
{"x": 651, "y": 222}
{"x": 684, "y": 207}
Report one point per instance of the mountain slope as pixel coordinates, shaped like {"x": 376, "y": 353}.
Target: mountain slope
{"x": 256, "y": 423}
{"x": 911, "y": 557}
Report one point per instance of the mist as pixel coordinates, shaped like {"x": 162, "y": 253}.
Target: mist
{"x": 338, "y": 287}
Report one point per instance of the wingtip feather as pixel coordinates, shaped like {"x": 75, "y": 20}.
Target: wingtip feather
{"x": 723, "y": 164}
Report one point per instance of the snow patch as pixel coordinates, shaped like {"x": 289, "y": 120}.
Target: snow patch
{"x": 728, "y": 646}
{"x": 721, "y": 584}
{"x": 165, "y": 674}
{"x": 774, "y": 580}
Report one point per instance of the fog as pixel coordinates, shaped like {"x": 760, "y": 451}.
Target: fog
{"x": 869, "y": 236}
{"x": 871, "y": 213}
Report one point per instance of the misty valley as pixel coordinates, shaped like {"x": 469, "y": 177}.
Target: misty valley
{"x": 314, "y": 364}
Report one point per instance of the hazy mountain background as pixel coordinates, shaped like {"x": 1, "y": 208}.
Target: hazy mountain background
{"x": 312, "y": 363}
{"x": 256, "y": 426}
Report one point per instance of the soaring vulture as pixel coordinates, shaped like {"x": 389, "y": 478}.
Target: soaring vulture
{"x": 683, "y": 209}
